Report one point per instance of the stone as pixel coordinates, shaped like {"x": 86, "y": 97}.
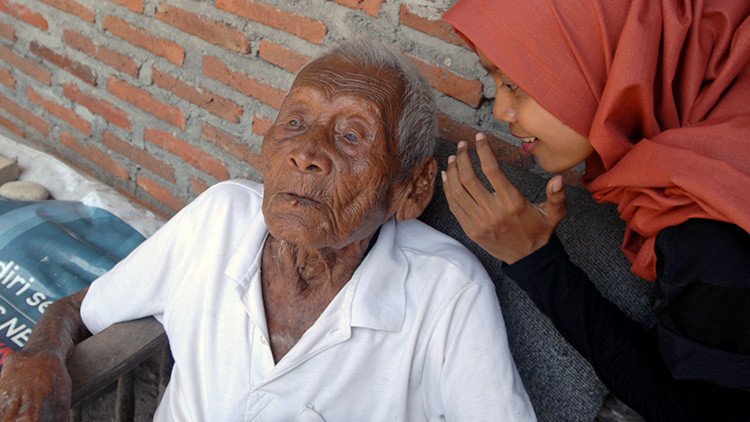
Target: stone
{"x": 23, "y": 191}
{"x": 8, "y": 169}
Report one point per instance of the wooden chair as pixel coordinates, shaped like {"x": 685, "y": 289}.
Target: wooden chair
{"x": 110, "y": 356}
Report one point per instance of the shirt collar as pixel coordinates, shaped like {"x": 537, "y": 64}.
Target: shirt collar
{"x": 379, "y": 283}
{"x": 243, "y": 264}
{"x": 379, "y": 301}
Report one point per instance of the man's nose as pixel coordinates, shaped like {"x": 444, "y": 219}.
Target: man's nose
{"x": 503, "y": 109}
{"x": 310, "y": 155}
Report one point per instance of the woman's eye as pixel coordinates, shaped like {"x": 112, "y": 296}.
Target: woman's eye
{"x": 352, "y": 137}
{"x": 510, "y": 86}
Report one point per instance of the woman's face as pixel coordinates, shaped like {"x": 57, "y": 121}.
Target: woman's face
{"x": 556, "y": 146}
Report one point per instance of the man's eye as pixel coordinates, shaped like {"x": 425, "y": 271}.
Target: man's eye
{"x": 352, "y": 137}
{"x": 295, "y": 123}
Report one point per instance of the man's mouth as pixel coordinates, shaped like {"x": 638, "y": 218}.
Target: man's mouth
{"x": 298, "y": 199}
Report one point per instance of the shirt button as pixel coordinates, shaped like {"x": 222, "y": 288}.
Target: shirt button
{"x": 263, "y": 340}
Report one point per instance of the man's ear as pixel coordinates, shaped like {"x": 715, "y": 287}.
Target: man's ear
{"x": 416, "y": 193}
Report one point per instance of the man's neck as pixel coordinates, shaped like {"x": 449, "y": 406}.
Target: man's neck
{"x": 299, "y": 283}
{"x": 302, "y": 268}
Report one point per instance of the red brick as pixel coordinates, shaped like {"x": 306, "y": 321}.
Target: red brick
{"x": 140, "y": 37}
{"x": 11, "y": 126}
{"x": 128, "y": 193}
{"x": 24, "y": 65}
{"x": 134, "y": 5}
{"x": 192, "y": 155}
{"x": 437, "y": 28}
{"x": 232, "y": 145}
{"x": 7, "y": 79}
{"x": 79, "y": 42}
{"x": 98, "y": 158}
{"x": 198, "y": 185}
{"x": 261, "y": 125}
{"x": 118, "y": 61}
{"x": 7, "y": 31}
{"x": 372, "y": 7}
{"x": 60, "y": 112}
{"x": 74, "y": 8}
{"x": 465, "y": 90}
{"x": 76, "y": 69}
{"x": 214, "y": 32}
{"x": 24, "y": 14}
{"x": 146, "y": 102}
{"x": 301, "y": 26}
{"x": 214, "y": 104}
{"x": 97, "y": 106}
{"x": 269, "y": 94}
{"x": 160, "y": 193}
{"x": 281, "y": 56}
{"x": 24, "y": 115}
{"x": 142, "y": 157}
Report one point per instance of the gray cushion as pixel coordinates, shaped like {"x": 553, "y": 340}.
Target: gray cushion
{"x": 560, "y": 383}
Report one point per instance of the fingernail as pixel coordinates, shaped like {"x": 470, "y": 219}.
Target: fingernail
{"x": 557, "y": 185}
{"x": 443, "y": 175}
{"x": 479, "y": 136}
{"x": 461, "y": 144}
{"x": 451, "y": 159}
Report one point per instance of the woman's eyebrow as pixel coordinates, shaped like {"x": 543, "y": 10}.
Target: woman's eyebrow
{"x": 487, "y": 65}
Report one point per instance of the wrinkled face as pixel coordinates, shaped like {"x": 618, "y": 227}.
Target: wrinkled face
{"x": 556, "y": 146}
{"x": 331, "y": 155}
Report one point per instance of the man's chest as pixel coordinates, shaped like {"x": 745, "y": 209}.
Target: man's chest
{"x": 226, "y": 362}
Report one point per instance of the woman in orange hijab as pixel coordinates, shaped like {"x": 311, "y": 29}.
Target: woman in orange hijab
{"x": 655, "y": 97}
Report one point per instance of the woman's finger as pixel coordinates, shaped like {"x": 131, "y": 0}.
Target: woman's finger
{"x": 468, "y": 176}
{"x": 469, "y": 215}
{"x": 504, "y": 188}
{"x": 555, "y": 206}
{"x": 455, "y": 192}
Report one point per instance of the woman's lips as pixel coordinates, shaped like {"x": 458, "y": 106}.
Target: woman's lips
{"x": 527, "y": 144}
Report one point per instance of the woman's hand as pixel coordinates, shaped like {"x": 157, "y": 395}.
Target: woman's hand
{"x": 502, "y": 222}
{"x": 34, "y": 387}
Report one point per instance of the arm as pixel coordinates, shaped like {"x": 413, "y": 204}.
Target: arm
{"x": 626, "y": 358}
{"x": 34, "y": 384}
{"x": 703, "y": 315}
{"x": 512, "y": 229}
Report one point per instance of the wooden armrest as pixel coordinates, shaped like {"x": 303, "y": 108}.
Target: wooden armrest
{"x": 99, "y": 360}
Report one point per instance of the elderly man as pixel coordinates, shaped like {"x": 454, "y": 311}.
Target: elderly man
{"x": 315, "y": 296}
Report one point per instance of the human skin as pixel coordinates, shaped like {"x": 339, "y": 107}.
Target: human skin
{"x": 34, "y": 383}
{"x": 331, "y": 181}
{"x": 332, "y": 177}
{"x": 503, "y": 221}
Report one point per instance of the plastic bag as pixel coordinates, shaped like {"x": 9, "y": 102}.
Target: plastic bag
{"x": 49, "y": 250}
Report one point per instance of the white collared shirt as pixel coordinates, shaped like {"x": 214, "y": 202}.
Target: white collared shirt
{"x": 416, "y": 334}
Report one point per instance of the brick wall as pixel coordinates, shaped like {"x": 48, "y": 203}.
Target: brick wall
{"x": 162, "y": 98}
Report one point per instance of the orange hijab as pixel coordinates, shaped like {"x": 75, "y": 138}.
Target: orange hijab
{"x": 661, "y": 88}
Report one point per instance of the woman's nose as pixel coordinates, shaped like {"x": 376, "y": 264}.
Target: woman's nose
{"x": 503, "y": 108}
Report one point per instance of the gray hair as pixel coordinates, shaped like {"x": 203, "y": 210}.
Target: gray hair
{"x": 417, "y": 128}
